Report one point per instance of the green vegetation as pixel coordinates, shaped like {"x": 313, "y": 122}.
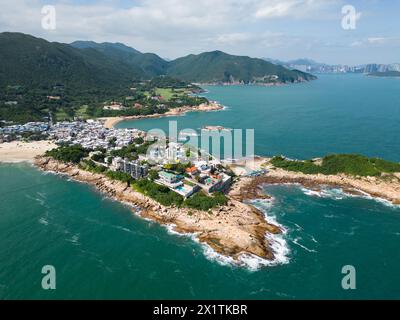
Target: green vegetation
{"x": 89, "y": 165}
{"x": 167, "y": 197}
{"x": 351, "y": 164}
{"x": 65, "y": 81}
{"x": 218, "y": 66}
{"x": 33, "y": 136}
{"x": 131, "y": 152}
{"x": 168, "y": 82}
{"x": 119, "y": 176}
{"x": 161, "y": 194}
{"x": 179, "y": 168}
{"x": 153, "y": 175}
{"x": 138, "y": 140}
{"x": 98, "y": 157}
{"x": 201, "y": 201}
{"x": 74, "y": 153}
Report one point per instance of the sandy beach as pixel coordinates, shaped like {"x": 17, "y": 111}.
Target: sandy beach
{"x": 110, "y": 122}
{"x": 17, "y": 151}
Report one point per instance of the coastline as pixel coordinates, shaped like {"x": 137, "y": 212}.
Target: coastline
{"x": 236, "y": 231}
{"x": 110, "y": 122}
{"x": 17, "y": 151}
{"x": 387, "y": 189}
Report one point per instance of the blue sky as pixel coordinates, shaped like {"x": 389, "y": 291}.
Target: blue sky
{"x": 280, "y": 29}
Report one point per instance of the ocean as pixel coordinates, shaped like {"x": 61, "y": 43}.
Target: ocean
{"x": 101, "y": 250}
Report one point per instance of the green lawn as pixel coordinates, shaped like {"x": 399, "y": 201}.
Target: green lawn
{"x": 61, "y": 115}
{"x": 167, "y": 93}
{"x": 82, "y": 112}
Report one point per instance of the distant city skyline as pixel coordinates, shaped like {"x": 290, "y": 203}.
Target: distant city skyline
{"x": 283, "y": 30}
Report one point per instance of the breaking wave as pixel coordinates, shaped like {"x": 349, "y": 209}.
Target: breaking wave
{"x": 339, "y": 194}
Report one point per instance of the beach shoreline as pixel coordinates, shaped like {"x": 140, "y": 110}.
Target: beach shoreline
{"x": 18, "y": 151}
{"x": 110, "y": 122}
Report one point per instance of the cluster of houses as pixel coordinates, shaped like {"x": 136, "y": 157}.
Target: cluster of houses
{"x": 27, "y": 127}
{"x": 115, "y": 106}
{"x": 11, "y": 132}
{"x": 201, "y": 176}
{"x": 92, "y": 134}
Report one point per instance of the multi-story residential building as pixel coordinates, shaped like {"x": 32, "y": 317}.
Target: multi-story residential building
{"x": 134, "y": 168}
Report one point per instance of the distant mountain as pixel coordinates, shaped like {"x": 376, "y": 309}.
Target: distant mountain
{"x": 304, "y": 61}
{"x": 26, "y": 60}
{"x": 213, "y": 66}
{"x": 217, "y": 66}
{"x": 104, "y": 47}
{"x": 33, "y": 62}
{"x": 308, "y": 65}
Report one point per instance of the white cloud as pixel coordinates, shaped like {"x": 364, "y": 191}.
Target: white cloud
{"x": 273, "y": 9}
{"x": 174, "y": 28}
{"x": 376, "y": 42}
{"x": 268, "y": 9}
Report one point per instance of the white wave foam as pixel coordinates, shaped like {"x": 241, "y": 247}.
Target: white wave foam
{"x": 298, "y": 227}
{"x": 74, "y": 239}
{"x": 43, "y": 221}
{"x": 330, "y": 193}
{"x": 250, "y": 261}
{"x": 122, "y": 228}
{"x": 309, "y": 192}
{"x": 277, "y": 242}
{"x": 339, "y": 194}
{"x": 296, "y": 241}
{"x": 385, "y": 202}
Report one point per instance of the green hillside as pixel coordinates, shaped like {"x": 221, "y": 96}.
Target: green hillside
{"x": 30, "y": 61}
{"x": 34, "y": 62}
{"x": 213, "y": 66}
{"x": 148, "y": 65}
{"x": 40, "y": 78}
{"x": 218, "y": 66}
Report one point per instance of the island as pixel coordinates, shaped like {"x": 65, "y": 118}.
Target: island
{"x": 384, "y": 74}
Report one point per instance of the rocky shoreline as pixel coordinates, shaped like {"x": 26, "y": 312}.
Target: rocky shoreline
{"x": 388, "y": 189}
{"x": 233, "y": 230}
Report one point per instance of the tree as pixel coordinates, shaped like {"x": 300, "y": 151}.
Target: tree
{"x": 153, "y": 175}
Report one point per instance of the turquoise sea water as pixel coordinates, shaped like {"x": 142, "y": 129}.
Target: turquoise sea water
{"x": 101, "y": 250}
{"x": 336, "y": 113}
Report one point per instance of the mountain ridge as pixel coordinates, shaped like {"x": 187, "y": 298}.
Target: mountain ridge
{"x": 29, "y": 60}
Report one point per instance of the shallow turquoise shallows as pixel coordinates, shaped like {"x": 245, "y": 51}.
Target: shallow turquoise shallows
{"x": 101, "y": 250}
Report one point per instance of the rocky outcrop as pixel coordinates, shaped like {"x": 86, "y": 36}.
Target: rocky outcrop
{"x": 385, "y": 187}
{"x": 231, "y": 230}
